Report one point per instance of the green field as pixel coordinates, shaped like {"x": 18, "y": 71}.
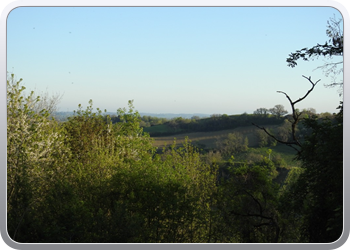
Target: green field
{"x": 208, "y": 139}
{"x": 162, "y": 128}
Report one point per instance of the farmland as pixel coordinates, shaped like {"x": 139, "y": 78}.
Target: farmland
{"x": 208, "y": 140}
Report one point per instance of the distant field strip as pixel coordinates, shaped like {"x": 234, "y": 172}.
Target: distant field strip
{"x": 209, "y": 139}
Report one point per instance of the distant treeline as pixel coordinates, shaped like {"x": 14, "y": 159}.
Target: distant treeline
{"x": 157, "y": 126}
{"x": 214, "y": 123}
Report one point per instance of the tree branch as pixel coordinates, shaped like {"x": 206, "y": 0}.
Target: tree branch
{"x": 260, "y": 207}
{"x": 290, "y": 144}
{"x": 296, "y": 117}
{"x": 309, "y": 91}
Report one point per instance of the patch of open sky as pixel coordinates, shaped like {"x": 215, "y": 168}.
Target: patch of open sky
{"x": 170, "y": 59}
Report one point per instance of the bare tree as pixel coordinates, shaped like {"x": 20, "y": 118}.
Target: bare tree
{"x": 39, "y": 101}
{"x": 48, "y": 102}
{"x": 296, "y": 115}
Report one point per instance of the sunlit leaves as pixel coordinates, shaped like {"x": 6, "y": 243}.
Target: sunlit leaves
{"x": 35, "y": 155}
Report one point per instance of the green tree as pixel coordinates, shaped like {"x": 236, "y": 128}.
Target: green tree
{"x": 283, "y": 132}
{"x": 332, "y": 47}
{"x": 121, "y": 191}
{"x": 36, "y": 156}
{"x": 317, "y": 195}
{"x": 261, "y": 111}
{"x": 264, "y": 140}
{"x": 278, "y": 110}
{"x": 235, "y": 142}
{"x": 248, "y": 202}
{"x": 315, "y": 198}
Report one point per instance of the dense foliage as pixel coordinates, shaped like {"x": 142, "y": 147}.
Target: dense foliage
{"x": 90, "y": 179}
{"x": 318, "y": 192}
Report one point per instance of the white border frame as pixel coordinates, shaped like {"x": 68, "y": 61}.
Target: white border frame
{"x": 168, "y": 3}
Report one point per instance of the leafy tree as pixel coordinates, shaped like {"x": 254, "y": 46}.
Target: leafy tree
{"x": 116, "y": 189}
{"x": 310, "y": 111}
{"x": 332, "y": 47}
{"x": 44, "y": 102}
{"x": 315, "y": 197}
{"x": 264, "y": 140}
{"x": 248, "y": 202}
{"x": 235, "y": 142}
{"x": 318, "y": 193}
{"x": 283, "y": 132}
{"x": 199, "y": 179}
{"x": 195, "y": 117}
{"x": 212, "y": 157}
{"x": 313, "y": 200}
{"x": 261, "y": 111}
{"x": 278, "y": 110}
{"x": 36, "y": 156}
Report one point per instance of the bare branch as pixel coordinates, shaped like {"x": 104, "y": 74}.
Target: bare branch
{"x": 296, "y": 117}
{"x": 260, "y": 207}
{"x": 309, "y": 91}
{"x": 328, "y": 64}
{"x": 290, "y": 144}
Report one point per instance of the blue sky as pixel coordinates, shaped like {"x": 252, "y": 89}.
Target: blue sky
{"x": 222, "y": 60}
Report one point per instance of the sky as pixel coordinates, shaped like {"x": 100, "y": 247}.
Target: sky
{"x": 212, "y": 60}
